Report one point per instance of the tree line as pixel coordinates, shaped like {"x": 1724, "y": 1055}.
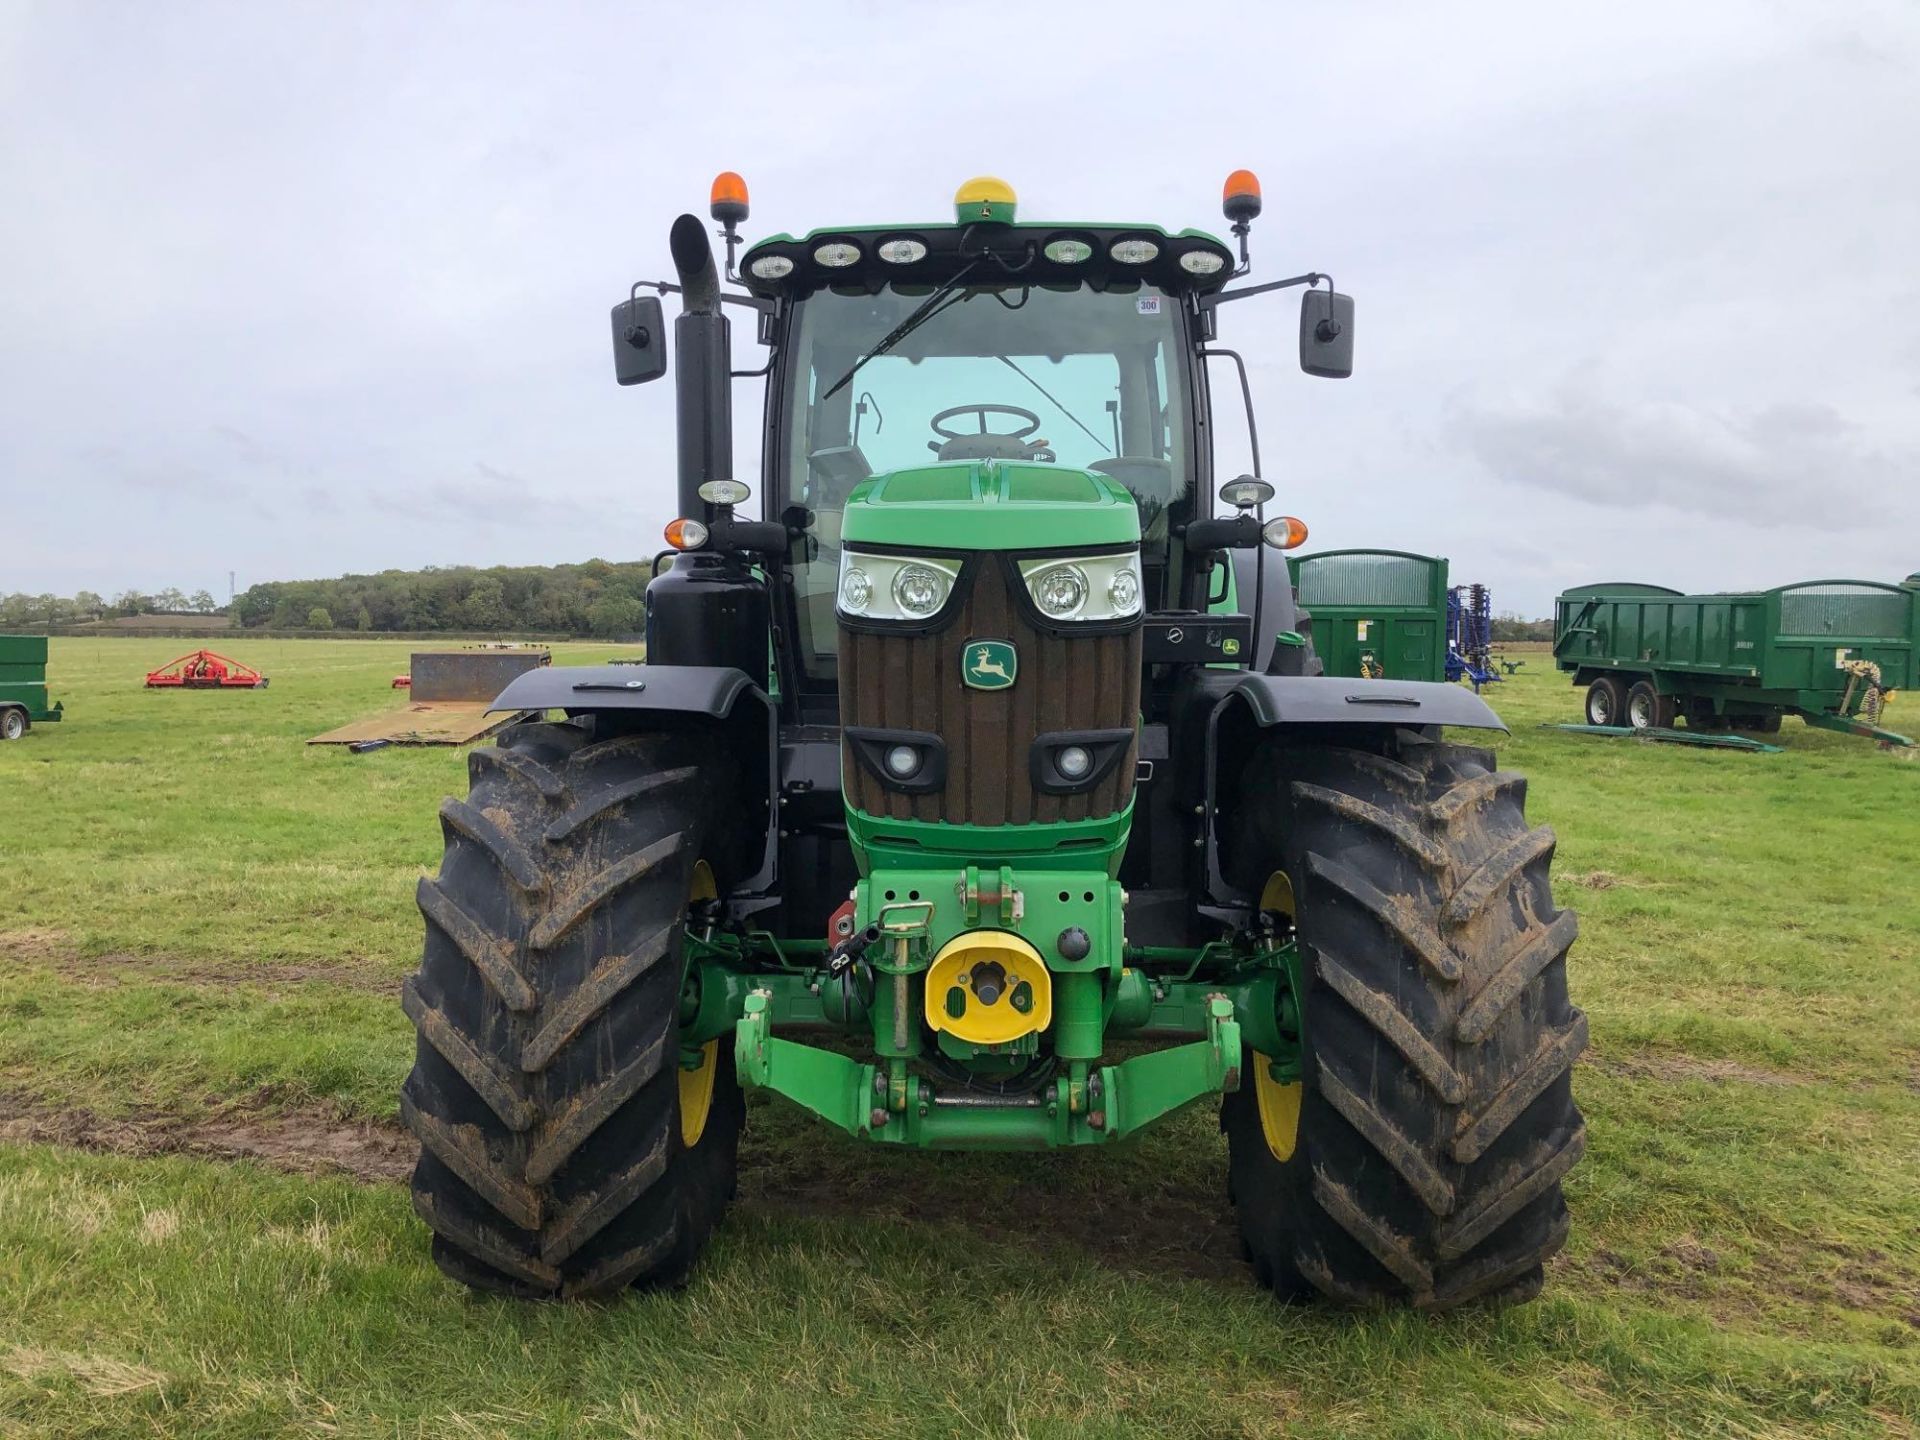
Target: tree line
{"x": 603, "y": 598}
{"x": 85, "y": 606}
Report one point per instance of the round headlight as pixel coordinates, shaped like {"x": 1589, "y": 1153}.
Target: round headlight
{"x": 856, "y": 591}
{"x": 919, "y": 590}
{"x": 771, "y": 267}
{"x": 1073, "y": 761}
{"x": 902, "y": 761}
{"x": 1060, "y": 591}
{"x": 724, "y": 492}
{"x": 1123, "y": 592}
{"x": 1067, "y": 252}
{"x": 1201, "y": 262}
{"x": 1133, "y": 252}
{"x": 1246, "y": 492}
{"x": 837, "y": 254}
{"x": 902, "y": 252}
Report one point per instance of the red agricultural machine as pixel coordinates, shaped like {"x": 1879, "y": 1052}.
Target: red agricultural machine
{"x": 204, "y": 670}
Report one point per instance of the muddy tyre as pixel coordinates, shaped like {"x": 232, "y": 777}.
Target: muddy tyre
{"x": 1418, "y": 1158}
{"x": 566, "y": 1148}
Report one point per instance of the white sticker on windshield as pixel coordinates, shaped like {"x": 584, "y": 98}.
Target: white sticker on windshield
{"x": 1147, "y": 304}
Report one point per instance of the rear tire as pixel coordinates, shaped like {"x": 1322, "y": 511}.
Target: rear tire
{"x": 546, "y": 1089}
{"x": 13, "y": 723}
{"x": 1605, "y": 701}
{"x": 1420, "y": 1160}
{"x": 1648, "y": 709}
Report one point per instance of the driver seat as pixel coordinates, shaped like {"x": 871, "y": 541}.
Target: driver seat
{"x": 984, "y": 447}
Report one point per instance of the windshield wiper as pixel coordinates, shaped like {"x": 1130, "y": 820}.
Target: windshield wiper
{"x": 906, "y": 327}
{"x": 1056, "y": 404}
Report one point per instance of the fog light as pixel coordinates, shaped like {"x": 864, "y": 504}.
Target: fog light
{"x": 902, "y": 761}
{"x": 1123, "y": 592}
{"x": 1073, "y": 761}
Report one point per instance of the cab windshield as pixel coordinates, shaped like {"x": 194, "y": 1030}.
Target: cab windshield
{"x": 1061, "y": 375}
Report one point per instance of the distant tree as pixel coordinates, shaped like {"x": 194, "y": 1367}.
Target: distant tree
{"x": 87, "y": 605}
{"x": 485, "y": 607}
{"x": 171, "y": 600}
{"x": 319, "y": 619}
{"x": 1511, "y": 627}
{"x": 131, "y": 602}
{"x": 362, "y": 620}
{"x": 201, "y": 602}
{"x": 615, "y": 616}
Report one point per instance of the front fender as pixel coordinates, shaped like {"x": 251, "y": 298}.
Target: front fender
{"x": 1333, "y": 700}
{"x": 711, "y": 690}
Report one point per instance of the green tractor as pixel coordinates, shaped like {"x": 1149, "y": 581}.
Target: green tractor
{"x": 992, "y": 753}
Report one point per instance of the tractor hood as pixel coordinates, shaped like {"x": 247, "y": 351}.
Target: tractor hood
{"x": 990, "y": 505}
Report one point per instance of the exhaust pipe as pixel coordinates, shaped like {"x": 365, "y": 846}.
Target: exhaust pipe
{"x": 703, "y": 396}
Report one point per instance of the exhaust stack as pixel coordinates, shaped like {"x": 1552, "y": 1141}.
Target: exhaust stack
{"x": 703, "y": 398}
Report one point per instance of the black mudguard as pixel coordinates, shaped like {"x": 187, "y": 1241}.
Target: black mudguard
{"x": 1332, "y": 700}
{"x": 711, "y": 690}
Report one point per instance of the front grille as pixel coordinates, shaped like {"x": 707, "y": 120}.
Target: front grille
{"x": 912, "y": 682}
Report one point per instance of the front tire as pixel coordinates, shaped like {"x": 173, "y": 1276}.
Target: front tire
{"x": 1418, "y": 1159}
{"x": 559, "y": 1155}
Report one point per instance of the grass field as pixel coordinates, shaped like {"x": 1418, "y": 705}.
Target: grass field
{"x": 203, "y": 1229}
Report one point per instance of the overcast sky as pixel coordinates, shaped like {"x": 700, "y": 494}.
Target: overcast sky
{"x": 293, "y": 290}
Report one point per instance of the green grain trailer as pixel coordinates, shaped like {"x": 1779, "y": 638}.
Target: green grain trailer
{"x": 23, "y": 685}
{"x": 1378, "y": 614}
{"x": 1829, "y": 651}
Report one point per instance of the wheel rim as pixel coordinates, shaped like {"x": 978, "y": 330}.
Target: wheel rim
{"x": 1599, "y": 707}
{"x": 1278, "y": 1101}
{"x": 1640, "y": 712}
{"x": 14, "y": 729}
{"x": 696, "y": 1085}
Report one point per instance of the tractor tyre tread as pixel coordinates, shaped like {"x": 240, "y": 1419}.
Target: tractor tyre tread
{"x": 1437, "y": 1117}
{"x": 545, "y": 1086}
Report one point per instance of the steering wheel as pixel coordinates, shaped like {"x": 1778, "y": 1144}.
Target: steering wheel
{"x": 1033, "y": 421}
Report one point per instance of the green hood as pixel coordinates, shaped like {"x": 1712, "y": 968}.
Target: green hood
{"x": 990, "y": 505}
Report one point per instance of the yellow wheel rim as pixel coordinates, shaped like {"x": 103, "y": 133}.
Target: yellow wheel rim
{"x": 1278, "y": 1101}
{"x": 696, "y": 1085}
{"x": 696, "y": 1095}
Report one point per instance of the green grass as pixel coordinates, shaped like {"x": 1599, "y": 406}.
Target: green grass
{"x": 202, "y": 913}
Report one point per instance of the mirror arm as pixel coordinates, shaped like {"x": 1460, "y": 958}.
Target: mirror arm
{"x": 752, "y": 302}
{"x": 1221, "y": 297}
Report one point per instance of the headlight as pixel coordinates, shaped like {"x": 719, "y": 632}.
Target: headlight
{"x": 1084, "y": 587}
{"x": 1133, "y": 252}
{"x": 837, "y": 254}
{"x": 920, "y": 590}
{"x": 895, "y": 587}
{"x": 771, "y": 267}
{"x": 1059, "y": 590}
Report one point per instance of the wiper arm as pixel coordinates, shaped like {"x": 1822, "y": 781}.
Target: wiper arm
{"x": 1056, "y": 404}
{"x": 906, "y": 327}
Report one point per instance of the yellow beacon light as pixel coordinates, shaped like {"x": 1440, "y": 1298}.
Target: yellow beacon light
{"x": 984, "y": 198}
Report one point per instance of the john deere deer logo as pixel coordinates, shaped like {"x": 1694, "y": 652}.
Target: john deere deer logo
{"x": 988, "y": 664}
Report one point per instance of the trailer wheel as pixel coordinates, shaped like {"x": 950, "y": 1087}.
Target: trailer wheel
{"x": 1604, "y": 701}
{"x": 1648, "y": 709}
{"x": 570, "y": 1144}
{"x": 1417, "y": 1157}
{"x": 13, "y": 723}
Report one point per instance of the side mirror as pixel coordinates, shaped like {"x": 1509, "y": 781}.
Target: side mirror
{"x": 640, "y": 341}
{"x": 1326, "y": 334}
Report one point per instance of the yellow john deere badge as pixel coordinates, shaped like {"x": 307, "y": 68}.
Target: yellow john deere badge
{"x": 988, "y": 664}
